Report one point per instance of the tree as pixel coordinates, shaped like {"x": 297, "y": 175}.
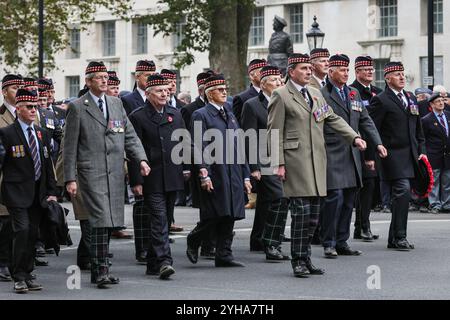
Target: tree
{"x": 19, "y": 27}
{"x": 219, "y": 26}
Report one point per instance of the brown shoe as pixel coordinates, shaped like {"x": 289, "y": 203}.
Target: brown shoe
{"x": 174, "y": 228}
{"x": 120, "y": 234}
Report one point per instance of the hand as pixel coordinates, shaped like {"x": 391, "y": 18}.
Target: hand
{"x": 382, "y": 152}
{"x": 51, "y": 198}
{"x": 360, "y": 144}
{"x": 145, "y": 169}
{"x": 71, "y": 188}
{"x": 423, "y": 156}
{"x": 248, "y": 186}
{"x": 207, "y": 185}
{"x": 370, "y": 165}
{"x": 203, "y": 173}
{"x": 257, "y": 175}
{"x": 187, "y": 175}
{"x": 137, "y": 190}
{"x": 281, "y": 172}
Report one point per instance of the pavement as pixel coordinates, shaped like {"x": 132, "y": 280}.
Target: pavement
{"x": 379, "y": 273}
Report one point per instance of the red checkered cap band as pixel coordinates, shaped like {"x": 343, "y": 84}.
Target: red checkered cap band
{"x": 156, "y": 82}
{"x": 267, "y": 73}
{"x": 12, "y": 82}
{"x": 43, "y": 94}
{"x": 27, "y": 99}
{"x": 30, "y": 84}
{"x": 113, "y": 82}
{"x": 393, "y": 69}
{"x": 321, "y": 54}
{"x": 363, "y": 64}
{"x": 256, "y": 66}
{"x": 145, "y": 68}
{"x": 170, "y": 76}
{"x": 339, "y": 63}
{"x": 43, "y": 86}
{"x": 298, "y": 60}
{"x": 201, "y": 82}
{"x": 96, "y": 69}
{"x": 214, "y": 83}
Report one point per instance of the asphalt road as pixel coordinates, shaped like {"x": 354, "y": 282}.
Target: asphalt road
{"x": 422, "y": 273}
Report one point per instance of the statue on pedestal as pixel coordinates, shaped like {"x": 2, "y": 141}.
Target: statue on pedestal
{"x": 280, "y": 45}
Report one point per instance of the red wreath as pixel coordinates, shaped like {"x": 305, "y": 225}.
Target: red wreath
{"x": 169, "y": 118}
{"x": 352, "y": 95}
{"x": 39, "y": 134}
{"x": 431, "y": 176}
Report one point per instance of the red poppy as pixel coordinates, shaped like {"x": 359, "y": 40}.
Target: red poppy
{"x": 39, "y": 134}
{"x": 169, "y": 118}
{"x": 352, "y": 95}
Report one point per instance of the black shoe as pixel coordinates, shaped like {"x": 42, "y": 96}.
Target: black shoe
{"x": 151, "y": 271}
{"x": 40, "y": 263}
{"x": 301, "y": 271}
{"x": 20, "y": 287}
{"x": 285, "y": 238}
{"x": 40, "y": 252}
{"x": 166, "y": 271}
{"x": 171, "y": 240}
{"x": 5, "y": 276}
{"x": 142, "y": 257}
{"x": 367, "y": 236}
{"x": 227, "y": 264}
{"x": 32, "y": 276}
{"x": 33, "y": 286}
{"x": 330, "y": 253}
{"x": 192, "y": 252}
{"x": 312, "y": 269}
{"x": 347, "y": 251}
{"x": 207, "y": 252}
{"x": 113, "y": 279}
{"x": 275, "y": 254}
{"x": 402, "y": 245}
{"x": 102, "y": 281}
{"x": 50, "y": 251}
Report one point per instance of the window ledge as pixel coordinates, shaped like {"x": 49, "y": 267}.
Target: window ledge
{"x": 107, "y": 59}
{"x": 387, "y": 40}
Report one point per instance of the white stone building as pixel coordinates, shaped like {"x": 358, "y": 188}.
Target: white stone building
{"x": 387, "y": 30}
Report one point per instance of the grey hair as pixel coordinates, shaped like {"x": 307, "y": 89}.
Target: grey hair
{"x": 91, "y": 75}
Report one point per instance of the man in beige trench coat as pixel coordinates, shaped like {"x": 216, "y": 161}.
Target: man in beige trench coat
{"x": 299, "y": 112}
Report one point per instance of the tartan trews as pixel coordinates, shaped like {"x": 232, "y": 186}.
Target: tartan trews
{"x": 99, "y": 249}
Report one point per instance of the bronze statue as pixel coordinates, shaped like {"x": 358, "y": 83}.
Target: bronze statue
{"x": 280, "y": 45}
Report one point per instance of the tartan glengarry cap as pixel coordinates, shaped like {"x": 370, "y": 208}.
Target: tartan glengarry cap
{"x": 298, "y": 58}
{"x": 393, "y": 66}
{"x": 202, "y": 76}
{"x": 42, "y": 93}
{"x": 113, "y": 79}
{"x": 363, "y": 61}
{"x": 339, "y": 60}
{"x": 95, "y": 66}
{"x": 256, "y": 64}
{"x": 23, "y": 95}
{"x": 319, "y": 53}
{"x": 270, "y": 71}
{"x": 45, "y": 84}
{"x": 145, "y": 65}
{"x": 29, "y": 82}
{"x": 214, "y": 81}
{"x": 12, "y": 79}
{"x": 168, "y": 74}
{"x": 156, "y": 80}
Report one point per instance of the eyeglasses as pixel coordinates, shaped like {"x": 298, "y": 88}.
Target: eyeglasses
{"x": 367, "y": 69}
{"x": 29, "y": 107}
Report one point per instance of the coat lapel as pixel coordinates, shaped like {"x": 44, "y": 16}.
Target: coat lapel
{"x": 336, "y": 98}
{"x": 93, "y": 110}
{"x": 394, "y": 98}
{"x": 442, "y": 129}
{"x": 297, "y": 96}
{"x": 22, "y": 137}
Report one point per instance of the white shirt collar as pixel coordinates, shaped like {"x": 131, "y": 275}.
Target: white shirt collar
{"x": 142, "y": 93}
{"x": 297, "y": 86}
{"x": 320, "y": 80}
{"x": 174, "y": 101}
{"x": 258, "y": 89}
{"x": 95, "y": 98}
{"x": 266, "y": 96}
{"x": 10, "y": 107}
{"x": 216, "y": 106}
{"x": 25, "y": 126}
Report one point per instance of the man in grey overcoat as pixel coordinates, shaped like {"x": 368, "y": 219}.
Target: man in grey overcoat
{"x": 97, "y": 134}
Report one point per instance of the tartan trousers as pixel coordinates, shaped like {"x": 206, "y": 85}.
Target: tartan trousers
{"x": 99, "y": 250}
{"x": 141, "y": 224}
{"x": 305, "y": 213}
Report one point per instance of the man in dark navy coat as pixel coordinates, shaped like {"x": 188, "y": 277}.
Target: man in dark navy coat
{"x": 136, "y": 99}
{"x": 364, "y": 71}
{"x": 223, "y": 181}
{"x": 396, "y": 115}
{"x": 154, "y": 124}
{"x": 254, "y": 70}
{"x": 437, "y": 140}
{"x": 171, "y": 77}
{"x": 28, "y": 184}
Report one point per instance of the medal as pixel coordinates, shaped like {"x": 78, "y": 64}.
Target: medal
{"x": 414, "y": 109}
{"x": 22, "y": 151}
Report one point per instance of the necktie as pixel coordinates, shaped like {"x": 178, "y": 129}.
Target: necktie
{"x": 442, "y": 122}
{"x": 305, "y": 95}
{"x": 342, "y": 94}
{"x": 323, "y": 84}
{"x": 400, "y": 96}
{"x": 34, "y": 154}
{"x": 100, "y": 105}
{"x": 223, "y": 114}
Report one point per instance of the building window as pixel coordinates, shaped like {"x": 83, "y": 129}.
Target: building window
{"x": 74, "y": 38}
{"x": 438, "y": 12}
{"x": 296, "y": 22}
{"x": 109, "y": 38}
{"x": 140, "y": 38}
{"x": 73, "y": 84}
{"x": 178, "y": 36}
{"x": 379, "y": 72}
{"x": 388, "y": 18}
{"x": 438, "y": 70}
{"x": 256, "y": 37}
